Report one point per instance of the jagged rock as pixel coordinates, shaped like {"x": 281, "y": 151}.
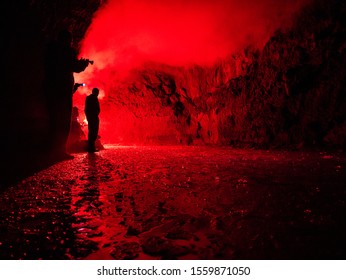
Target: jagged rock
{"x": 125, "y": 251}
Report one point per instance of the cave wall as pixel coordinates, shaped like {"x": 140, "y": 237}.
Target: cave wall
{"x": 295, "y": 91}
{"x": 28, "y": 26}
{"x": 289, "y": 94}
{"x": 171, "y": 105}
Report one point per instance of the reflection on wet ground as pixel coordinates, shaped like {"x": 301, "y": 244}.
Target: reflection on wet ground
{"x": 179, "y": 203}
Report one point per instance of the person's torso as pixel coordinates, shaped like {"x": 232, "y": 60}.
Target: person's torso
{"x": 92, "y": 106}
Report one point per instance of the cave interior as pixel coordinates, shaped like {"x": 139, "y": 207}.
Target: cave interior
{"x": 256, "y": 76}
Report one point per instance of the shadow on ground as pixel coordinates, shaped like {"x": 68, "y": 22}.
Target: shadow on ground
{"x": 179, "y": 203}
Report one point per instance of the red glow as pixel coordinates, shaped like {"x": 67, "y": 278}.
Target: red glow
{"x": 126, "y": 34}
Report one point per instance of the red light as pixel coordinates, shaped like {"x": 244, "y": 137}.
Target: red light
{"x": 126, "y": 34}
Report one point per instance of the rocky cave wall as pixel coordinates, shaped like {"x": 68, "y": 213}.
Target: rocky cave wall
{"x": 290, "y": 94}
{"x": 294, "y": 93}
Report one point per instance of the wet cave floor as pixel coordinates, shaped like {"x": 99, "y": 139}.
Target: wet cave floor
{"x": 164, "y": 202}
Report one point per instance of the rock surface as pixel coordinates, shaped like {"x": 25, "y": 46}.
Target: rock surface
{"x": 290, "y": 94}
{"x": 179, "y": 203}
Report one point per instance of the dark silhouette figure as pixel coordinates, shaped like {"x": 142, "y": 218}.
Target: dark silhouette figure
{"x": 92, "y": 111}
{"x": 60, "y": 63}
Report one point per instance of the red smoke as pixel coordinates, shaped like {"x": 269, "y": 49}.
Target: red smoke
{"x": 177, "y": 32}
{"x": 124, "y": 34}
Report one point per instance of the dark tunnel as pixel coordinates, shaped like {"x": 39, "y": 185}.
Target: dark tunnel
{"x": 236, "y": 109}
{"x": 274, "y": 83}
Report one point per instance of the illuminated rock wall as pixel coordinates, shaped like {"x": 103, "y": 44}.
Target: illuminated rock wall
{"x": 168, "y": 105}
{"x": 289, "y": 94}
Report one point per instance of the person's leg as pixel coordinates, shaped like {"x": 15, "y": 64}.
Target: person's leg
{"x": 92, "y": 133}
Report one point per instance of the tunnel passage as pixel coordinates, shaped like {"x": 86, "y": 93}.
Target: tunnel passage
{"x": 259, "y": 73}
{"x": 281, "y": 88}
{"x": 171, "y": 75}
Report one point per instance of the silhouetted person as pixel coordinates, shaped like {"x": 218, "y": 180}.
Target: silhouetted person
{"x": 92, "y": 111}
{"x": 60, "y": 63}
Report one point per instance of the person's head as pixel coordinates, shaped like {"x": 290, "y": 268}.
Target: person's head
{"x": 65, "y": 37}
{"x": 95, "y": 91}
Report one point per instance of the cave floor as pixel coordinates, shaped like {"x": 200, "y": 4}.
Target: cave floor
{"x": 179, "y": 203}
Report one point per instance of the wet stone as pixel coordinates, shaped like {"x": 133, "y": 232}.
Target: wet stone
{"x": 106, "y": 245}
{"x": 156, "y": 245}
{"x": 177, "y": 203}
{"x": 179, "y": 234}
{"x": 174, "y": 252}
{"x": 125, "y": 251}
{"x": 84, "y": 248}
{"x": 131, "y": 231}
{"x": 118, "y": 197}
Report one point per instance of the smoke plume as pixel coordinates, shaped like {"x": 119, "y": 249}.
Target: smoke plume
{"x": 128, "y": 32}
{"x": 124, "y": 34}
{"x": 131, "y": 34}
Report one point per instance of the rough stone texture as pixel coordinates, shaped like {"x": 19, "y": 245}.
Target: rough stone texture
{"x": 179, "y": 203}
{"x": 163, "y": 104}
{"x": 295, "y": 91}
{"x": 290, "y": 94}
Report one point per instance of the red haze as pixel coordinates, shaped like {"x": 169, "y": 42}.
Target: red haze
{"x": 124, "y": 34}
{"x": 178, "y": 32}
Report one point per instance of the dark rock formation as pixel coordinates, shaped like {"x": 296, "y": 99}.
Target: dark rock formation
{"x": 28, "y": 27}
{"x": 290, "y": 94}
{"x": 294, "y": 92}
